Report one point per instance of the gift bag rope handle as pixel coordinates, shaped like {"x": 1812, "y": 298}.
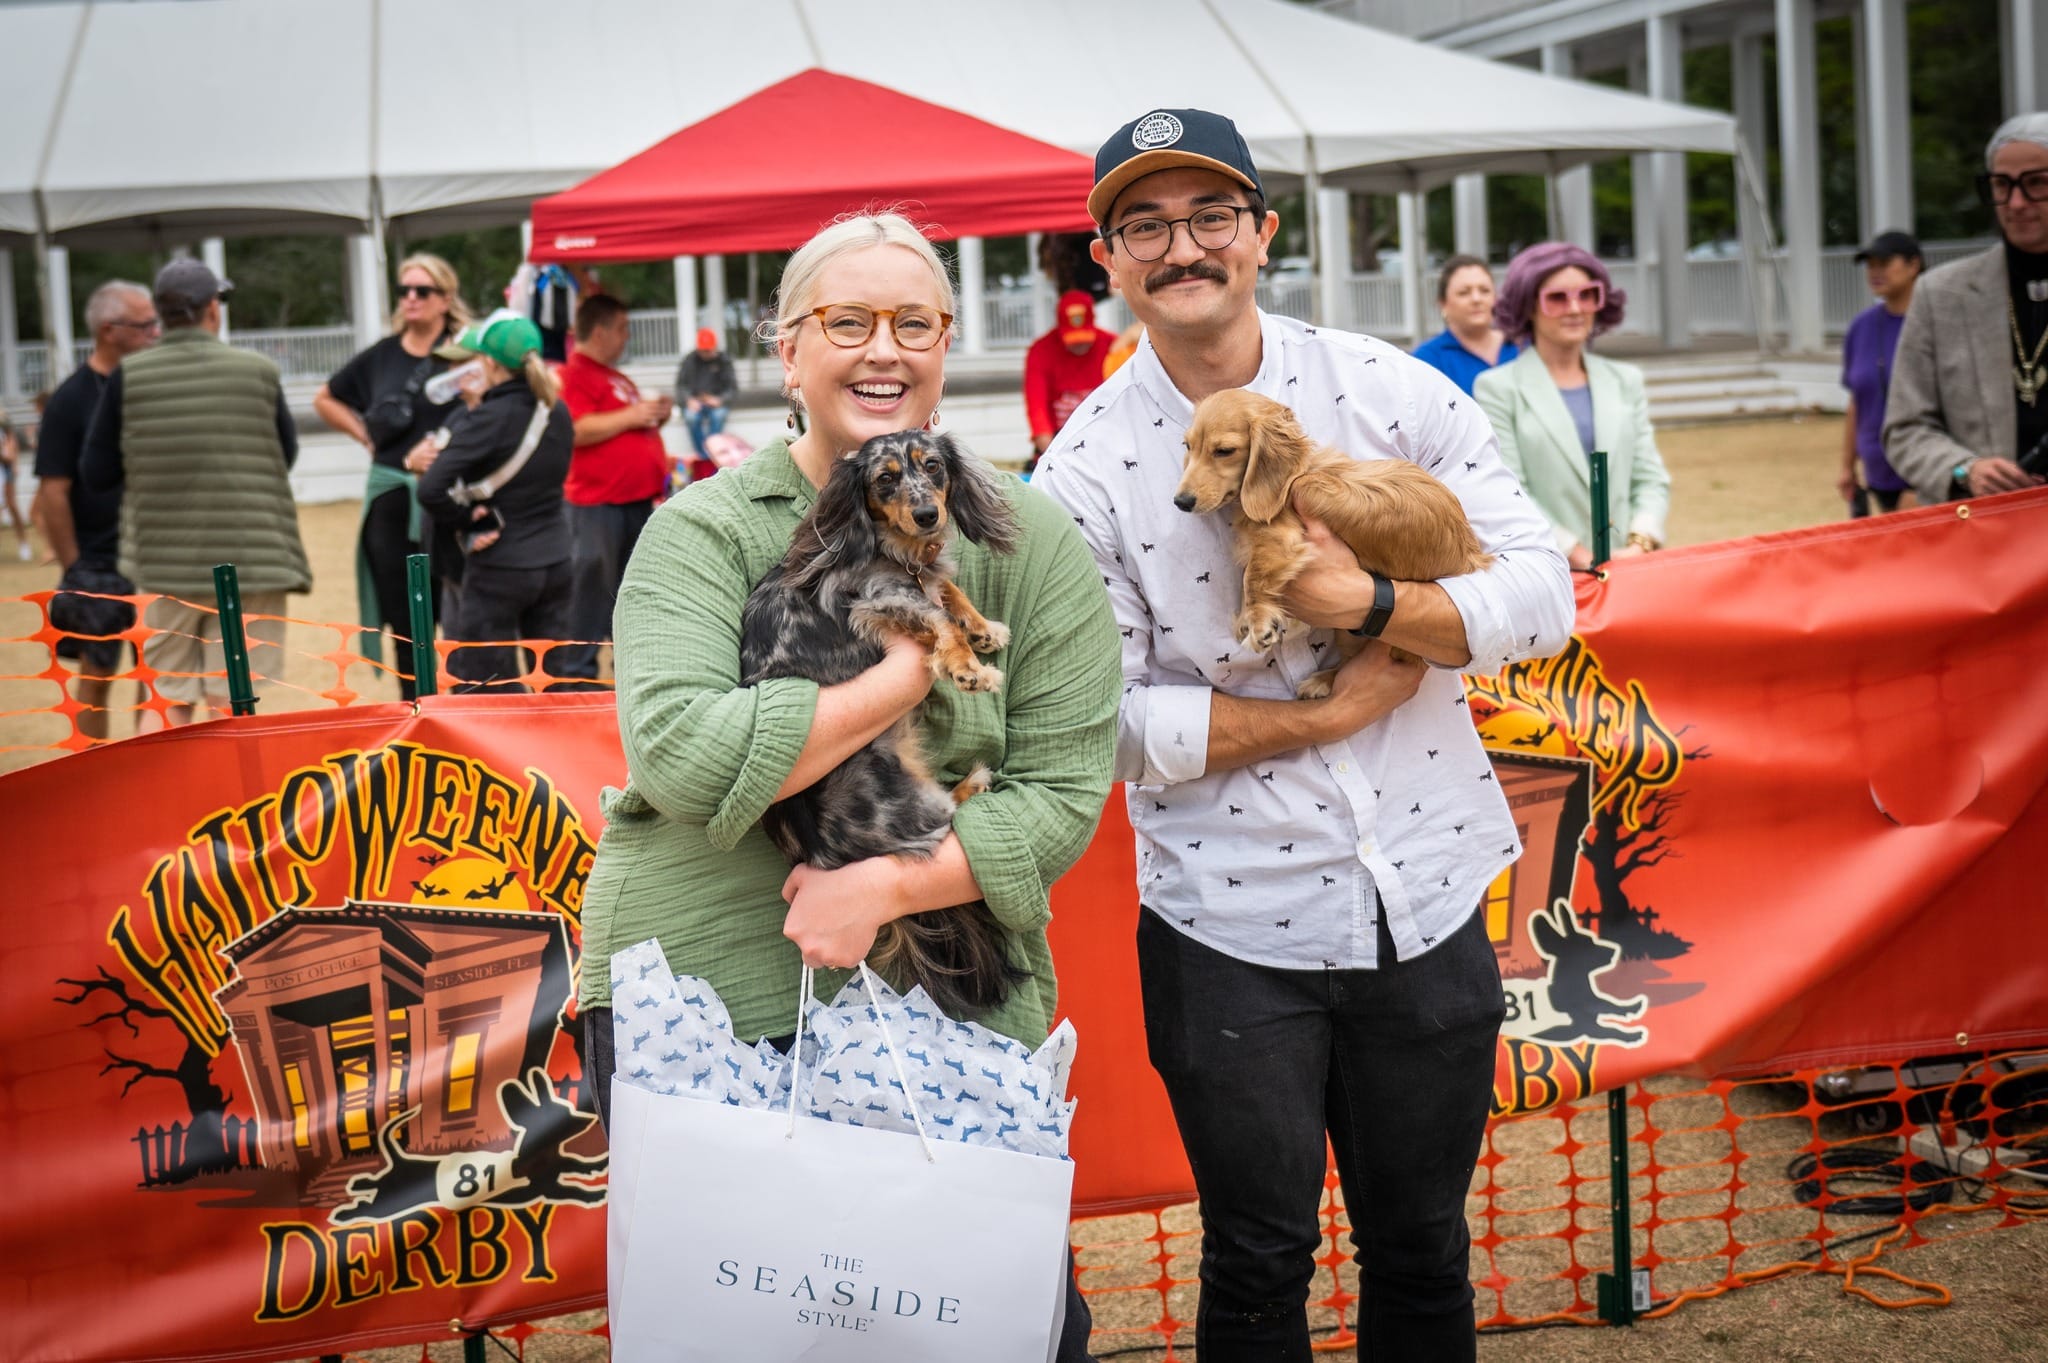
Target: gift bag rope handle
{"x": 796, "y": 1054}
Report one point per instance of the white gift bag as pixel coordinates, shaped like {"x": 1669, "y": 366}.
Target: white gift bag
{"x": 738, "y": 1233}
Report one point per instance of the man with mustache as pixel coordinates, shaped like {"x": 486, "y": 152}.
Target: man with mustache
{"x": 1309, "y": 952}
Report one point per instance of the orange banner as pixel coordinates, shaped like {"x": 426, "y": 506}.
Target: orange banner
{"x": 286, "y": 1028}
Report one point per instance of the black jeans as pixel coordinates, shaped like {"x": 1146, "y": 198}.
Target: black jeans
{"x": 602, "y": 1059}
{"x": 604, "y": 537}
{"x": 385, "y": 548}
{"x": 1395, "y": 1065}
{"x": 506, "y": 604}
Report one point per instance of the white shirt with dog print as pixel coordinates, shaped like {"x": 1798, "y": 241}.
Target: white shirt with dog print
{"x": 1277, "y": 863}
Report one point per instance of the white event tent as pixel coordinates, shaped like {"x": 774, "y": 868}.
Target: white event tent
{"x": 152, "y": 122}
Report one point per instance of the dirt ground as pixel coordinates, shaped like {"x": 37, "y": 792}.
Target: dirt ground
{"x": 1729, "y": 480}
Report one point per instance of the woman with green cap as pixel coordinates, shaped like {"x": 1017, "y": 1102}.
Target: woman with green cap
{"x": 498, "y": 485}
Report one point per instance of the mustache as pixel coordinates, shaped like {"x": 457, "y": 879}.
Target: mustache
{"x": 1174, "y": 274}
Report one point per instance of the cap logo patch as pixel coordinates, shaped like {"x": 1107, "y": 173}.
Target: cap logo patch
{"x": 1156, "y": 130}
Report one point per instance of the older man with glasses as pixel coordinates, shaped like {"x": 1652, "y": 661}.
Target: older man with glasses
{"x": 83, "y": 526}
{"x": 1968, "y": 411}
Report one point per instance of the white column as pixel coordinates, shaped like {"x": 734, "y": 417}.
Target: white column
{"x": 1333, "y": 258}
{"x": 714, "y": 294}
{"x": 1042, "y": 300}
{"x": 1887, "y": 130}
{"x": 973, "y": 304}
{"x": 1469, "y": 232}
{"x": 1799, "y": 164}
{"x": 1665, "y": 42}
{"x": 369, "y": 305}
{"x": 56, "y": 282}
{"x": 686, "y": 303}
{"x": 1642, "y": 196}
{"x": 1408, "y": 220}
{"x": 2025, "y": 33}
{"x": 214, "y": 252}
{"x": 1571, "y": 191}
{"x": 10, "y": 338}
{"x": 1746, "y": 55}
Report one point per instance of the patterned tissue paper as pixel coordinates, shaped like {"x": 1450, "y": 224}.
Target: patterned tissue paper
{"x": 870, "y": 1058}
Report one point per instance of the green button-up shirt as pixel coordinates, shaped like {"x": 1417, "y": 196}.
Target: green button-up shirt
{"x": 683, "y": 857}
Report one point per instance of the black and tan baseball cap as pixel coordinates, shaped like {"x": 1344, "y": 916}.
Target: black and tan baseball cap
{"x": 1164, "y": 139}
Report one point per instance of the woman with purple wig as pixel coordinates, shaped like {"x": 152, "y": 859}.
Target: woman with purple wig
{"x": 1557, "y": 402}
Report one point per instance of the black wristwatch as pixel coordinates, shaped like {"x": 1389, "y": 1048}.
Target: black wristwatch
{"x": 1959, "y": 481}
{"x": 1382, "y": 609}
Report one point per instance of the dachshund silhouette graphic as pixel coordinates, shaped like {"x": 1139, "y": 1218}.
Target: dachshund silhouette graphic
{"x": 1576, "y": 956}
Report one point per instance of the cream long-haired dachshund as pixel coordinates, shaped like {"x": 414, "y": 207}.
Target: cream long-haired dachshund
{"x": 1401, "y": 523}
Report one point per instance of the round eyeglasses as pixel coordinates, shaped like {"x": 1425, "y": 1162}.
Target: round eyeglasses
{"x": 1149, "y": 239}
{"x": 916, "y": 327}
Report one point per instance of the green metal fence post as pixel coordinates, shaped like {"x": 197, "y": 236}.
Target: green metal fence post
{"x": 419, "y": 599}
{"x": 1603, "y": 529}
{"x": 227, "y": 595}
{"x": 472, "y": 1345}
{"x": 1616, "y": 1291}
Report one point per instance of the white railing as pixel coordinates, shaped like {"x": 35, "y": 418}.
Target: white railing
{"x": 1293, "y": 296}
{"x": 1006, "y": 321}
{"x": 1719, "y": 297}
{"x": 652, "y": 334}
{"x": 1376, "y": 306}
{"x": 300, "y": 352}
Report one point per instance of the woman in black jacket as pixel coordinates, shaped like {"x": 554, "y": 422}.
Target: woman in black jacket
{"x": 498, "y": 486}
{"x": 378, "y": 400}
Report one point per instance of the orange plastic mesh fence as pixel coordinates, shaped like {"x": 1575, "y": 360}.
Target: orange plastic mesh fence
{"x": 45, "y": 712}
{"x": 1731, "y": 1182}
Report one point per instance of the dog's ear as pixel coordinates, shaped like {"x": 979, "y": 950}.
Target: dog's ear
{"x": 980, "y": 510}
{"x": 837, "y": 530}
{"x": 1274, "y": 451}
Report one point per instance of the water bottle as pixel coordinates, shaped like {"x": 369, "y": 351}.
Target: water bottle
{"x": 450, "y": 384}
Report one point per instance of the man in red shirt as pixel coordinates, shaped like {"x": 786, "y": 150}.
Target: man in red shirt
{"x": 617, "y": 470}
{"x": 1062, "y": 367}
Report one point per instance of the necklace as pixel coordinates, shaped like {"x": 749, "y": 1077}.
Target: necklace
{"x": 2028, "y": 377}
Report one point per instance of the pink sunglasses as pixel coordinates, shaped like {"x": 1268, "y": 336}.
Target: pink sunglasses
{"x": 1557, "y": 302}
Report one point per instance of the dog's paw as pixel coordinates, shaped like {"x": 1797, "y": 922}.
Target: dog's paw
{"x": 978, "y": 677}
{"x": 1260, "y": 628}
{"x": 995, "y": 636}
{"x": 973, "y": 784}
{"x": 1316, "y": 687}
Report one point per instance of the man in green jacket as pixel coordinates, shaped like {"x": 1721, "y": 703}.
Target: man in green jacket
{"x": 197, "y": 437}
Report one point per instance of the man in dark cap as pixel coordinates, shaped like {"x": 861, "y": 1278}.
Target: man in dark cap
{"x": 1891, "y": 264}
{"x": 197, "y": 438}
{"x": 1311, "y": 958}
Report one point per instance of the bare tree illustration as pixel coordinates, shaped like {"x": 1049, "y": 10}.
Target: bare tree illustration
{"x": 1614, "y": 852}
{"x": 205, "y": 1148}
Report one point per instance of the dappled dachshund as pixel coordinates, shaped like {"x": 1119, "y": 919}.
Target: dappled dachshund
{"x": 1402, "y": 524}
{"x": 870, "y": 560}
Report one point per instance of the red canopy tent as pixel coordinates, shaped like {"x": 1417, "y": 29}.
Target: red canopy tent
{"x": 767, "y": 172}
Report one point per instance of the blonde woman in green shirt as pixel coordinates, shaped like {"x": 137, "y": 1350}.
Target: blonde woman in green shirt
{"x": 683, "y": 857}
